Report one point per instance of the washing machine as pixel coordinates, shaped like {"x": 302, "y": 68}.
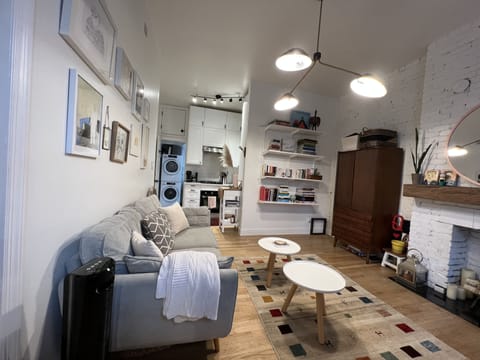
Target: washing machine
{"x": 172, "y": 168}
{"x": 170, "y": 192}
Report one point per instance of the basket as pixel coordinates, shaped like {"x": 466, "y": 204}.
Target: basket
{"x": 398, "y": 246}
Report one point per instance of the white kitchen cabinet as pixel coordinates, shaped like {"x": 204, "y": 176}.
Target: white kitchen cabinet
{"x": 232, "y": 139}
{"x": 234, "y": 121}
{"x": 195, "y": 136}
{"x": 173, "y": 122}
{"x": 213, "y": 137}
{"x": 191, "y": 195}
{"x": 215, "y": 119}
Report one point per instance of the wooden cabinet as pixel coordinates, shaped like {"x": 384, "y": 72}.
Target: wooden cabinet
{"x": 173, "y": 122}
{"x": 367, "y": 196}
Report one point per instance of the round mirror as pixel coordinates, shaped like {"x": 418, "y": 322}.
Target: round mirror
{"x": 463, "y": 150}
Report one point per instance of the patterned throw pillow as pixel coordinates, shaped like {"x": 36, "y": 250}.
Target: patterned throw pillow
{"x": 155, "y": 227}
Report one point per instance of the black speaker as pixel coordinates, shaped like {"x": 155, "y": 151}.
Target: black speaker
{"x": 87, "y": 309}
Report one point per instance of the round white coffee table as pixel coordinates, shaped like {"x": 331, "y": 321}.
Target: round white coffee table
{"x": 315, "y": 277}
{"x": 277, "y": 246}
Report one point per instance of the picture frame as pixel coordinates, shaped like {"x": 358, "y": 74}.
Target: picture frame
{"x": 137, "y": 97}
{"x": 119, "y": 145}
{"x": 299, "y": 119}
{"x": 145, "y": 146}
{"x": 318, "y": 226}
{"x": 135, "y": 139}
{"x": 84, "y": 117}
{"x": 451, "y": 178}
{"x": 86, "y": 25}
{"x": 146, "y": 110}
{"x": 431, "y": 177}
{"x": 107, "y": 133}
{"x": 124, "y": 74}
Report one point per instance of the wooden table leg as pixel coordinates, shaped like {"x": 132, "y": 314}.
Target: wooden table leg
{"x": 270, "y": 265}
{"x": 289, "y": 297}
{"x": 320, "y": 299}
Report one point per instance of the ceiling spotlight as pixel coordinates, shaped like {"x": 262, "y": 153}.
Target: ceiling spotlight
{"x": 204, "y": 99}
{"x": 230, "y": 100}
{"x": 194, "y": 99}
{"x": 214, "y": 101}
{"x": 240, "y": 99}
{"x": 296, "y": 59}
{"x": 221, "y": 100}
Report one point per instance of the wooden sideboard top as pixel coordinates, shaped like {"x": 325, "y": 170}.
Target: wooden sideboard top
{"x": 451, "y": 194}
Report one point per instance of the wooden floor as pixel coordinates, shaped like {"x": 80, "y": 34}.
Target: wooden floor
{"x": 248, "y": 340}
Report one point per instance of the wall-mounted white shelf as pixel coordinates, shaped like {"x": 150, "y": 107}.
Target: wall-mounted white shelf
{"x": 292, "y": 130}
{"x": 293, "y": 155}
{"x": 290, "y": 179}
{"x": 287, "y": 203}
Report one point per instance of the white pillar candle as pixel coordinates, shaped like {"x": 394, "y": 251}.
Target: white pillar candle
{"x": 452, "y": 291}
{"x": 467, "y": 274}
{"x": 461, "y": 294}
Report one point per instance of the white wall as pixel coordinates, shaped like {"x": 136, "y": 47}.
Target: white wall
{"x": 65, "y": 194}
{"x": 284, "y": 219}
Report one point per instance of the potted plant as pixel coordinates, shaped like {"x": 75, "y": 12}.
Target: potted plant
{"x": 417, "y": 160}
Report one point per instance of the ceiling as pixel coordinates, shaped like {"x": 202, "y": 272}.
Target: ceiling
{"x": 211, "y": 47}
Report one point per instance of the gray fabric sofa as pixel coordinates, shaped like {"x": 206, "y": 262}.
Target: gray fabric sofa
{"x": 137, "y": 320}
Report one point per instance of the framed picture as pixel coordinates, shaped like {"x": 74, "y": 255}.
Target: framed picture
{"x": 88, "y": 28}
{"x": 107, "y": 133}
{"x": 137, "y": 97}
{"x": 135, "y": 139}
{"x": 431, "y": 177}
{"x": 146, "y": 110}
{"x": 318, "y": 226}
{"x": 119, "y": 146}
{"x": 145, "y": 144}
{"x": 84, "y": 117}
{"x": 450, "y": 178}
{"x": 124, "y": 74}
{"x": 299, "y": 119}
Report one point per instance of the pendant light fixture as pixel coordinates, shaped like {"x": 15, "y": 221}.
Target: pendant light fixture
{"x": 296, "y": 59}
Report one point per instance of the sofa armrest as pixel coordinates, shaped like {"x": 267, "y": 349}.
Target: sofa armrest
{"x": 197, "y": 216}
{"x": 138, "y": 322}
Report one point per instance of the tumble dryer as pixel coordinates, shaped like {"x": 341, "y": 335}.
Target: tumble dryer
{"x": 172, "y": 168}
{"x": 170, "y": 192}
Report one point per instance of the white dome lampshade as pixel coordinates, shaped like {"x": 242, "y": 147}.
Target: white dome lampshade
{"x": 286, "y": 102}
{"x": 293, "y": 60}
{"x": 368, "y": 86}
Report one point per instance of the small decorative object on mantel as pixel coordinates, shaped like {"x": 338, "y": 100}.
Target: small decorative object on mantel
{"x": 450, "y": 178}
{"x": 417, "y": 159}
{"x": 314, "y": 121}
{"x": 431, "y": 177}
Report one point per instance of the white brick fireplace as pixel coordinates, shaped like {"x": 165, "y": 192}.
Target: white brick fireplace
{"x": 448, "y": 236}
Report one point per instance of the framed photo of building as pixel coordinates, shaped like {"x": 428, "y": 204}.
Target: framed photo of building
{"x": 124, "y": 74}
{"x": 137, "y": 97}
{"x": 84, "y": 117}
{"x": 119, "y": 145}
{"x": 88, "y": 28}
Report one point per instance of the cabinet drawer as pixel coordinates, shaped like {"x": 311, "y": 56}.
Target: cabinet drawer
{"x": 193, "y": 203}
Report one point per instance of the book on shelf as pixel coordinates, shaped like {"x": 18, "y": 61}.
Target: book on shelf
{"x": 279, "y": 122}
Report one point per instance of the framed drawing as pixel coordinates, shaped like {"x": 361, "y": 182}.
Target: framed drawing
{"x": 450, "y": 178}
{"x": 135, "y": 139}
{"x": 318, "y": 226}
{"x": 145, "y": 144}
{"x": 137, "y": 97}
{"x": 84, "y": 117}
{"x": 88, "y": 28}
{"x": 107, "y": 134}
{"x": 146, "y": 110}
{"x": 123, "y": 74}
{"x": 119, "y": 146}
{"x": 431, "y": 177}
{"x": 299, "y": 119}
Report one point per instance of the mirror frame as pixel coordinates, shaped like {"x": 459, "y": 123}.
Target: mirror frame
{"x": 463, "y": 176}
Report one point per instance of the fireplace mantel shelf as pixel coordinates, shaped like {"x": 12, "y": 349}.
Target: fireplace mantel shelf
{"x": 451, "y": 194}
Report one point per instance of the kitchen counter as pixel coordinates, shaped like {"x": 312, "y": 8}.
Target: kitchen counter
{"x": 208, "y": 184}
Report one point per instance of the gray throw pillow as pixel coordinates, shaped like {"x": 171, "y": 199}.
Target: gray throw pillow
{"x": 142, "y": 264}
{"x": 225, "y": 262}
{"x": 155, "y": 227}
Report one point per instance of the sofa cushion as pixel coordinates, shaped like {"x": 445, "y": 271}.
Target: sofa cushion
{"x": 147, "y": 204}
{"x": 197, "y": 216}
{"x": 144, "y": 247}
{"x": 156, "y": 227}
{"x": 195, "y": 237}
{"x": 142, "y": 264}
{"x": 110, "y": 237}
{"x": 176, "y": 217}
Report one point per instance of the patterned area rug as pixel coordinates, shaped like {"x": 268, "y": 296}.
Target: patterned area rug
{"x": 358, "y": 325}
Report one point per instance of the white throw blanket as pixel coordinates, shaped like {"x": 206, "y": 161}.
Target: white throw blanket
{"x": 189, "y": 281}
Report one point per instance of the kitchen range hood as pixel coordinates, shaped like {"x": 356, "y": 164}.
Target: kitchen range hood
{"x": 213, "y": 149}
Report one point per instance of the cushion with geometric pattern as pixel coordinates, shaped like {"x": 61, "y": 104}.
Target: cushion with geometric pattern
{"x": 155, "y": 227}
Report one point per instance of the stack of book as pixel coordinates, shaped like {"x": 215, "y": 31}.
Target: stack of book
{"x": 269, "y": 170}
{"x": 232, "y": 203}
{"x": 305, "y": 194}
{"x": 279, "y": 122}
{"x": 275, "y": 144}
{"x": 307, "y": 146}
{"x": 268, "y": 193}
{"x": 283, "y": 194}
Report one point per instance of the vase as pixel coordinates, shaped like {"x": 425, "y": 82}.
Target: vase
{"x": 417, "y": 179}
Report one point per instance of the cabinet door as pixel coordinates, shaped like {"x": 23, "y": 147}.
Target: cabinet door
{"x": 194, "y": 145}
{"x": 365, "y": 174}
{"x": 232, "y": 139}
{"x": 234, "y": 121}
{"x": 197, "y": 116}
{"x": 344, "y": 182}
{"x": 213, "y": 137}
{"x": 174, "y": 121}
{"x": 215, "y": 119}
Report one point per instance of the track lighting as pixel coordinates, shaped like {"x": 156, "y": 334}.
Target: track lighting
{"x": 217, "y": 98}
{"x": 296, "y": 59}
